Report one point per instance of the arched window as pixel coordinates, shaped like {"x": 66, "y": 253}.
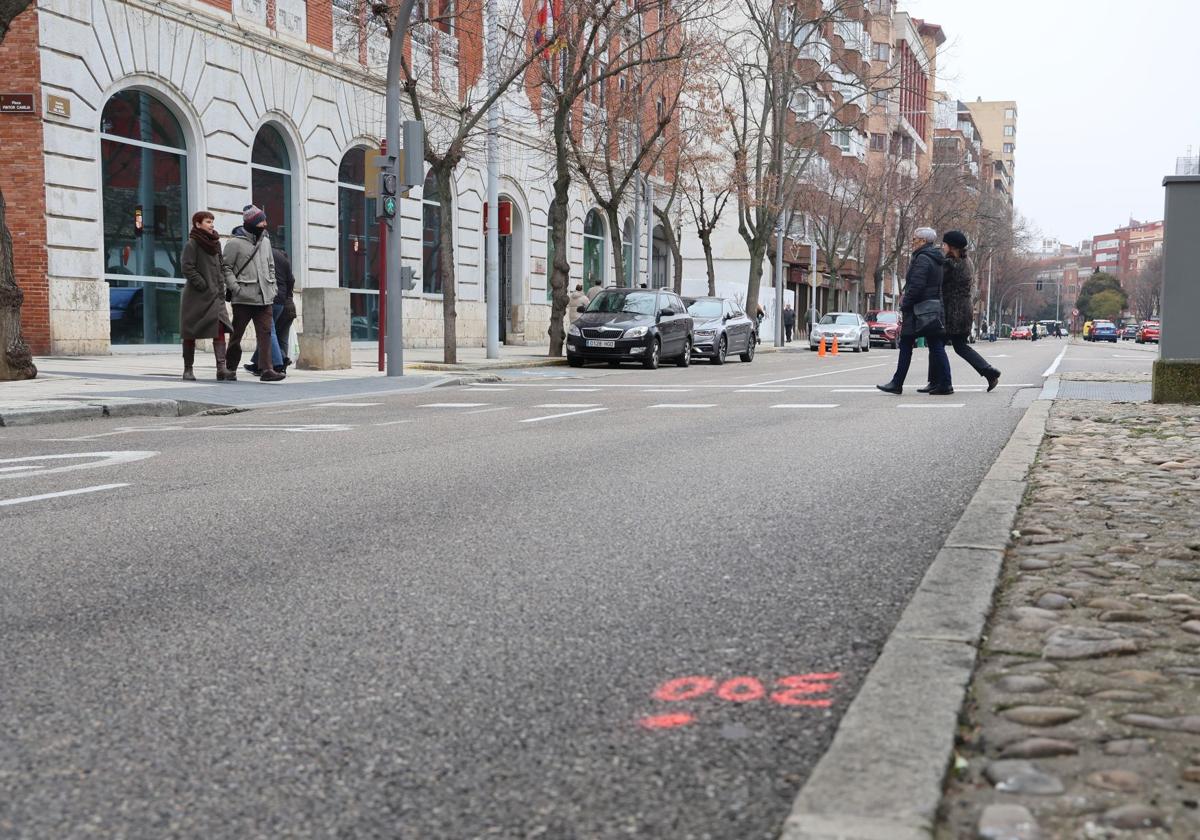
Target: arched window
{"x": 358, "y": 246}
{"x": 431, "y": 237}
{"x": 143, "y": 166}
{"x": 271, "y": 185}
{"x": 627, "y": 251}
{"x": 593, "y": 249}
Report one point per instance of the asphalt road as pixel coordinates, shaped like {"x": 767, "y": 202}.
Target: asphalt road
{"x": 472, "y": 611}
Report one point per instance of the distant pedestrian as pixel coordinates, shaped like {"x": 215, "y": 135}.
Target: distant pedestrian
{"x": 202, "y": 305}
{"x": 759, "y": 315}
{"x": 249, "y": 270}
{"x": 789, "y": 323}
{"x": 922, "y": 282}
{"x": 810, "y": 318}
{"x": 577, "y": 299}
{"x": 958, "y": 285}
{"x": 283, "y": 313}
{"x": 596, "y": 288}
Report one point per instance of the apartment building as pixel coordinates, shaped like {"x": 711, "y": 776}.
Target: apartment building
{"x": 1127, "y": 250}
{"x": 956, "y": 140}
{"x": 997, "y": 124}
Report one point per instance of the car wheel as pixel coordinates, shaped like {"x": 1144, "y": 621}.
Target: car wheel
{"x": 685, "y": 358}
{"x": 574, "y": 361}
{"x": 748, "y": 356}
{"x": 867, "y": 346}
{"x": 651, "y": 360}
{"x": 722, "y": 351}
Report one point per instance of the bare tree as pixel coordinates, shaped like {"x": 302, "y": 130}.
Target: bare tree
{"x": 16, "y": 361}
{"x": 1145, "y": 293}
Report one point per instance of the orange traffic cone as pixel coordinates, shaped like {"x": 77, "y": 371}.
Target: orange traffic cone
{"x": 821, "y": 349}
{"x": 834, "y": 350}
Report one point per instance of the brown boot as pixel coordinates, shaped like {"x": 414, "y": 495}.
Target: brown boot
{"x": 223, "y": 373}
{"x": 189, "y": 359}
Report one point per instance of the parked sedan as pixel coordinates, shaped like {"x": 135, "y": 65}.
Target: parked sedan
{"x": 1149, "y": 331}
{"x": 1130, "y": 331}
{"x": 885, "y": 327}
{"x": 631, "y": 325}
{"x": 850, "y": 330}
{"x": 1104, "y": 331}
{"x": 719, "y": 328}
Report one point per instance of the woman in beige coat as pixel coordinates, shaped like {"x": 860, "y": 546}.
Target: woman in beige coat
{"x": 202, "y": 307}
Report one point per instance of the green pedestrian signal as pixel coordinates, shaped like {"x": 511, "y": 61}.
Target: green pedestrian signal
{"x": 386, "y": 205}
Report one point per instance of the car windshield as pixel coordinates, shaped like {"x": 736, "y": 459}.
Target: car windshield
{"x": 887, "y": 317}
{"x": 705, "y": 309}
{"x": 640, "y": 303}
{"x": 844, "y": 320}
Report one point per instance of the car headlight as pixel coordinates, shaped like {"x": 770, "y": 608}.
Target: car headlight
{"x": 573, "y": 330}
{"x": 635, "y": 332}
{"x": 705, "y": 333}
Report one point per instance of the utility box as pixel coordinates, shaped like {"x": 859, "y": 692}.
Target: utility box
{"x": 325, "y": 342}
{"x": 1177, "y": 371}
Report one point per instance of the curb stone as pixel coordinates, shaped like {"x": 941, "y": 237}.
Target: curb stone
{"x": 882, "y": 777}
{"x": 91, "y": 410}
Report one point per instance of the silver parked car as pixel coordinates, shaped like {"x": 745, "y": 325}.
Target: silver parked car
{"x": 850, "y": 330}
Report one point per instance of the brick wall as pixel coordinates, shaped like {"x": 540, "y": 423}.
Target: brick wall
{"x": 22, "y": 177}
{"x": 320, "y": 23}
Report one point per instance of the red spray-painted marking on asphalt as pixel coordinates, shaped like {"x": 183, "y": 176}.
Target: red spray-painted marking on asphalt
{"x": 684, "y": 688}
{"x": 666, "y": 721}
{"x": 797, "y": 689}
{"x": 741, "y": 690}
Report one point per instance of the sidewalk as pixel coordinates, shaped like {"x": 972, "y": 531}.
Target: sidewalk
{"x": 1082, "y": 718}
{"x": 145, "y": 381}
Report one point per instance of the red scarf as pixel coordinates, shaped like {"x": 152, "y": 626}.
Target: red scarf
{"x": 210, "y": 242}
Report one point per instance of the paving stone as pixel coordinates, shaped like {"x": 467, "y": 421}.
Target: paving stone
{"x": 1133, "y": 816}
{"x": 1184, "y": 723}
{"x": 1120, "y": 695}
{"x": 1141, "y": 677}
{"x": 1121, "y": 781}
{"x": 1191, "y": 774}
{"x": 1112, "y": 616}
{"x": 1053, "y": 601}
{"x": 1128, "y": 746}
{"x": 1023, "y": 684}
{"x": 1039, "y": 748}
{"x": 1111, "y": 604}
{"x": 1033, "y": 564}
{"x": 1007, "y": 822}
{"x": 1021, "y": 777}
{"x": 1191, "y": 627}
{"x": 1041, "y": 715}
{"x": 1036, "y": 667}
{"x": 1085, "y": 643}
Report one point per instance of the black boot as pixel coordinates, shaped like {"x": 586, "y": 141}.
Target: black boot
{"x": 929, "y": 386}
{"x": 941, "y": 391}
{"x": 891, "y": 388}
{"x": 992, "y": 377}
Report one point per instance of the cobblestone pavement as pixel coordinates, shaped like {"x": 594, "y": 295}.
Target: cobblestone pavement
{"x": 1083, "y": 717}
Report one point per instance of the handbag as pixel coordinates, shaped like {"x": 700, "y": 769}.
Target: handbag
{"x": 929, "y": 318}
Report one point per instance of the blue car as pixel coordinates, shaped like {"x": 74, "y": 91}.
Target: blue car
{"x": 1104, "y": 331}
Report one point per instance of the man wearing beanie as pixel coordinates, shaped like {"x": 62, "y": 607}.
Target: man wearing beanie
{"x": 249, "y": 271}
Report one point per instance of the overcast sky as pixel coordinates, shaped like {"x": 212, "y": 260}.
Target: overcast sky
{"x": 1106, "y": 98}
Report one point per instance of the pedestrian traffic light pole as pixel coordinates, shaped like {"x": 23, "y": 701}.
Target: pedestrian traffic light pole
{"x": 780, "y": 228}
{"x": 492, "y": 292}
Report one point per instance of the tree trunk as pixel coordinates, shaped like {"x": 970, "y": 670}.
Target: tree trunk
{"x": 758, "y": 250}
{"x": 558, "y": 216}
{"x": 706, "y": 243}
{"x": 444, "y": 173}
{"x": 16, "y": 362}
{"x": 673, "y": 245}
{"x": 616, "y": 241}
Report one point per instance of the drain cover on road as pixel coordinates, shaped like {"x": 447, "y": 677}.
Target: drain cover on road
{"x": 1106, "y": 391}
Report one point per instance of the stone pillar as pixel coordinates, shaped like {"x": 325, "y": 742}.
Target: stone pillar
{"x": 1177, "y": 371}
{"x": 325, "y": 340}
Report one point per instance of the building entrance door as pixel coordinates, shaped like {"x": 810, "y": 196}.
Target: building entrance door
{"x": 506, "y": 284}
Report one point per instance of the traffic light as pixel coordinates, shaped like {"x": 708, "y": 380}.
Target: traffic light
{"x": 385, "y": 206}
{"x": 1039, "y": 284}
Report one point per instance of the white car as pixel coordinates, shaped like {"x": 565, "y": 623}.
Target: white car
{"x": 851, "y": 331}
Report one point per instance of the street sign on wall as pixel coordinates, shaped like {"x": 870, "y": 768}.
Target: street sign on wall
{"x": 16, "y": 103}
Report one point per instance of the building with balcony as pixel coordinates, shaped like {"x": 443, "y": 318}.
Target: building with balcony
{"x": 997, "y": 124}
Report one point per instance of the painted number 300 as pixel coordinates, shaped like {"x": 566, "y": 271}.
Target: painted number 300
{"x": 797, "y": 690}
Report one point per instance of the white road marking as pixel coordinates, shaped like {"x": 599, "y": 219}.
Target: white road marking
{"x": 452, "y": 405}
{"x": 344, "y": 405}
{"x": 106, "y": 459}
{"x": 666, "y": 390}
{"x": 486, "y": 410}
{"x": 1053, "y": 367}
{"x": 59, "y": 494}
{"x": 394, "y": 422}
{"x": 685, "y": 405}
{"x": 565, "y": 414}
{"x": 574, "y": 390}
{"x": 806, "y": 405}
{"x": 15, "y": 469}
{"x": 815, "y": 375}
{"x": 931, "y": 405}
{"x": 871, "y": 390}
{"x": 1021, "y": 385}
{"x": 759, "y": 391}
{"x": 567, "y": 405}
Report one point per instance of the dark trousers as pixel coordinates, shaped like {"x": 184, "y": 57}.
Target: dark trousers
{"x": 787, "y": 331}
{"x": 243, "y": 314}
{"x": 939, "y": 362}
{"x": 283, "y": 324}
{"x": 966, "y": 352}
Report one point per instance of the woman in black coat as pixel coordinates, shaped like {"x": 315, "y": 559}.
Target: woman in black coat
{"x": 958, "y": 287}
{"x": 922, "y": 282}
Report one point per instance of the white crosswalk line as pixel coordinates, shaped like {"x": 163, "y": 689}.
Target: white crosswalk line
{"x": 685, "y": 405}
{"x": 59, "y": 494}
{"x": 759, "y": 391}
{"x": 931, "y": 405}
{"x": 564, "y": 414}
{"x": 567, "y": 405}
{"x": 806, "y": 405}
{"x": 453, "y": 405}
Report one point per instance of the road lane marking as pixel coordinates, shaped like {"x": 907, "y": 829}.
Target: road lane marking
{"x": 452, "y": 405}
{"x": 344, "y": 405}
{"x": 16, "y": 469}
{"x": 824, "y": 373}
{"x": 42, "y": 496}
{"x": 684, "y": 405}
{"x": 486, "y": 410}
{"x": 394, "y": 422}
{"x": 565, "y": 414}
{"x": 806, "y": 405}
{"x": 106, "y": 459}
{"x": 1058, "y": 361}
{"x": 871, "y": 390}
{"x": 666, "y": 390}
{"x": 759, "y": 391}
{"x": 567, "y": 405}
{"x": 574, "y": 390}
{"x": 931, "y": 405}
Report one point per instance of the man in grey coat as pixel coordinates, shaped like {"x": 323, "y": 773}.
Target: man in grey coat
{"x": 249, "y": 270}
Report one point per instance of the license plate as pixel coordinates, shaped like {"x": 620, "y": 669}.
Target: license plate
{"x": 596, "y": 342}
